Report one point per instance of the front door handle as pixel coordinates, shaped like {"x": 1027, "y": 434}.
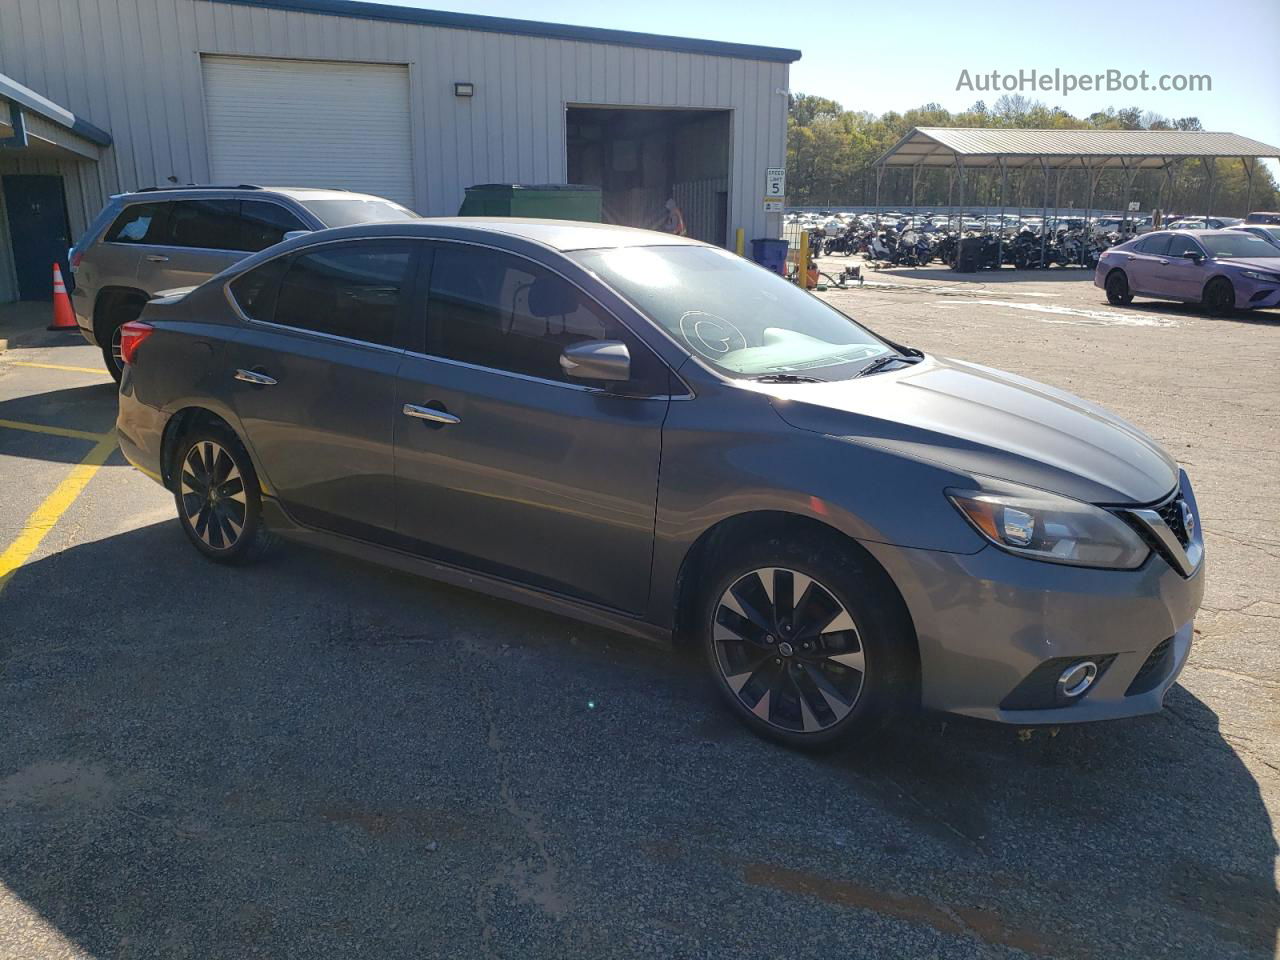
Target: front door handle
{"x": 429, "y": 413}
{"x": 257, "y": 379}
{"x": 157, "y": 258}
{"x": 1164, "y": 263}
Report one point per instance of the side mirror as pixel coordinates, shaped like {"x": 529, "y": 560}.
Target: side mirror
{"x": 294, "y": 234}
{"x": 1193, "y": 256}
{"x": 597, "y": 360}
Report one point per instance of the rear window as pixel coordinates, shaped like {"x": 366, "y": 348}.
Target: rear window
{"x": 139, "y": 223}
{"x": 255, "y": 292}
{"x": 346, "y": 211}
{"x": 210, "y": 224}
{"x": 1157, "y": 244}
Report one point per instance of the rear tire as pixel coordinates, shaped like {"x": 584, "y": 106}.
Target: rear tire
{"x": 218, "y": 498}
{"x": 806, "y": 640}
{"x": 1219, "y": 298}
{"x": 1118, "y": 292}
{"x": 119, "y": 311}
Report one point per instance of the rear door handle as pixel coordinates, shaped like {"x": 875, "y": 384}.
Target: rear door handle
{"x": 157, "y": 258}
{"x": 257, "y": 379}
{"x": 1165, "y": 262}
{"x": 1132, "y": 257}
{"x": 429, "y": 413}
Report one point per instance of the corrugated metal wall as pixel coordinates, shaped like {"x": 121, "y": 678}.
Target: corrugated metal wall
{"x": 133, "y": 68}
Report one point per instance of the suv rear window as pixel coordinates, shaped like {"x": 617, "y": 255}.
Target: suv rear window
{"x": 139, "y": 223}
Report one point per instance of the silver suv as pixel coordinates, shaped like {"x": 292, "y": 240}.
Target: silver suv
{"x": 161, "y": 238}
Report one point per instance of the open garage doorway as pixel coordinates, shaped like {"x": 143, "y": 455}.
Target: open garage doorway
{"x": 639, "y": 157}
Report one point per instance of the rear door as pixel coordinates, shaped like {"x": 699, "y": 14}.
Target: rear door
{"x": 314, "y": 371}
{"x": 203, "y": 237}
{"x": 1142, "y": 261}
{"x": 538, "y": 478}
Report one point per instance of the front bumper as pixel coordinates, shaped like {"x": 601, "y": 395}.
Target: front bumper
{"x": 986, "y": 621}
{"x": 1255, "y": 294}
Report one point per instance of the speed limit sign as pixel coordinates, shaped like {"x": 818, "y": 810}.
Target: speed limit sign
{"x": 775, "y": 189}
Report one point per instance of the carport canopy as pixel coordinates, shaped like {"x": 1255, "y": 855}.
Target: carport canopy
{"x": 35, "y": 125}
{"x": 970, "y": 147}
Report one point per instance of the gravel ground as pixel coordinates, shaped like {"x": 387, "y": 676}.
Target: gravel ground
{"x": 319, "y": 758}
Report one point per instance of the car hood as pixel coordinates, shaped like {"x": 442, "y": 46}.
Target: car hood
{"x": 1265, "y": 264}
{"x": 984, "y": 421}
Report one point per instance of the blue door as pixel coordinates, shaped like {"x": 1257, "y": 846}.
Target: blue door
{"x": 39, "y": 234}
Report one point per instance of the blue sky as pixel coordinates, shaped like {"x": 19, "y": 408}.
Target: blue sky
{"x": 893, "y": 56}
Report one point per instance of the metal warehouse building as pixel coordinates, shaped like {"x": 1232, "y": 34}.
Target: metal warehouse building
{"x": 103, "y": 96}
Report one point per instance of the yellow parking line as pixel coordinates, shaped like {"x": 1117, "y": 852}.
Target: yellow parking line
{"x": 55, "y": 431}
{"x": 54, "y": 506}
{"x": 58, "y": 366}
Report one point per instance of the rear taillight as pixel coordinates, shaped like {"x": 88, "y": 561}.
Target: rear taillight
{"x": 76, "y": 257}
{"x": 131, "y": 336}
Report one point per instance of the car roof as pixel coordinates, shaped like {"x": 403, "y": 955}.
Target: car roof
{"x": 563, "y": 235}
{"x": 196, "y": 191}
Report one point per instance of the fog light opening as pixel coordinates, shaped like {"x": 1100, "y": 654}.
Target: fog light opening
{"x": 1076, "y": 679}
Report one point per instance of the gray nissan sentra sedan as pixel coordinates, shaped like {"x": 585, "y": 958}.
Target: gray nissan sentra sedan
{"x": 655, "y": 435}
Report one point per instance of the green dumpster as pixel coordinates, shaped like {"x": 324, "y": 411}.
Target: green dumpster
{"x": 553, "y": 201}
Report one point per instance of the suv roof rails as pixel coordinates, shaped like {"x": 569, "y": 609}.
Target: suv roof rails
{"x": 201, "y": 186}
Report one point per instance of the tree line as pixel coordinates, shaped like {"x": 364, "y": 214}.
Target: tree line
{"x": 831, "y": 152}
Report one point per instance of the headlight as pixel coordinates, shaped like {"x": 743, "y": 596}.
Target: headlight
{"x": 1044, "y": 526}
{"x": 1264, "y": 277}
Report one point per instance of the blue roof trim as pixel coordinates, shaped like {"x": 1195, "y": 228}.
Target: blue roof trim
{"x": 527, "y": 28}
{"x": 27, "y": 98}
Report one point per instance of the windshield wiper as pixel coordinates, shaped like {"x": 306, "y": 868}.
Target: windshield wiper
{"x": 881, "y": 362}
{"x": 786, "y": 378}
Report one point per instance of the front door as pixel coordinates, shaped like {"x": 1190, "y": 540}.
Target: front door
{"x": 529, "y": 475}
{"x": 38, "y": 231}
{"x": 1180, "y": 275}
{"x": 314, "y": 379}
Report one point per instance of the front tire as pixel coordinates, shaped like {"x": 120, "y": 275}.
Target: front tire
{"x": 1118, "y": 292}
{"x": 807, "y": 641}
{"x": 218, "y": 498}
{"x": 1219, "y": 298}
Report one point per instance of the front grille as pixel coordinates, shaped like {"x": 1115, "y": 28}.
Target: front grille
{"x": 1171, "y": 514}
{"x": 1153, "y": 670}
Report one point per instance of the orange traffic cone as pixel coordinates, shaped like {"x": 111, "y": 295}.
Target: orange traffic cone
{"x": 64, "y": 318}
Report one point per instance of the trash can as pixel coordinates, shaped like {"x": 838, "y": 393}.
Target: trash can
{"x": 552, "y": 201}
{"x": 967, "y": 254}
{"x": 770, "y": 253}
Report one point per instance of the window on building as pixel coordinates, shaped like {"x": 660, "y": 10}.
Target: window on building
{"x": 354, "y": 290}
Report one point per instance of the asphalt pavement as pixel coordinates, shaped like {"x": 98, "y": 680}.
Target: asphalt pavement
{"x": 315, "y": 757}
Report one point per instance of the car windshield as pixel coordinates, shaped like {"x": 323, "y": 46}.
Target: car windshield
{"x": 1238, "y": 245}
{"x": 743, "y": 320}
{"x": 346, "y": 211}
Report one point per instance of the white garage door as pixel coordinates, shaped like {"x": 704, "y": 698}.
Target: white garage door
{"x": 309, "y": 123}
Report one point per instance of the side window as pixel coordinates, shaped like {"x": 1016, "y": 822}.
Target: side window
{"x": 501, "y": 311}
{"x": 1183, "y": 245}
{"x": 354, "y": 290}
{"x": 139, "y": 223}
{"x": 1156, "y": 245}
{"x": 264, "y": 224}
{"x": 212, "y": 224}
{"x": 255, "y": 292}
